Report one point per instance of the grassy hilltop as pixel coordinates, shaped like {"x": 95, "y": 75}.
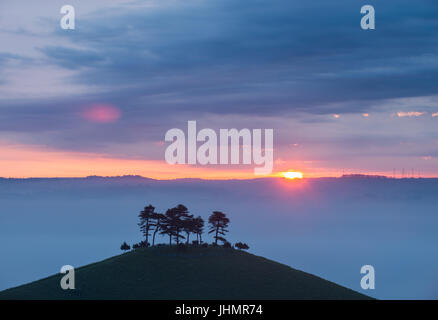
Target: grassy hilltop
{"x": 192, "y": 273}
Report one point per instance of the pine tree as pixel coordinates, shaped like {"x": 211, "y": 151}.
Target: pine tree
{"x": 146, "y": 221}
{"x": 174, "y": 222}
{"x": 188, "y": 226}
{"x": 199, "y": 228}
{"x": 158, "y": 219}
{"x": 218, "y": 225}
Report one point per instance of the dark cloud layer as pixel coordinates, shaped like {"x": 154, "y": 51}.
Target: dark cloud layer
{"x": 240, "y": 56}
{"x": 267, "y": 58}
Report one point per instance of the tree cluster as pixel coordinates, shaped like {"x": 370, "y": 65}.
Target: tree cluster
{"x": 178, "y": 225}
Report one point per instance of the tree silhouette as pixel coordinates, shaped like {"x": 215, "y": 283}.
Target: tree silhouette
{"x": 198, "y": 228}
{"x": 166, "y": 227}
{"x": 174, "y": 223}
{"x": 158, "y": 219}
{"x": 241, "y": 246}
{"x": 177, "y": 221}
{"x": 218, "y": 223}
{"x": 146, "y": 221}
{"x": 189, "y": 227}
{"x": 125, "y": 246}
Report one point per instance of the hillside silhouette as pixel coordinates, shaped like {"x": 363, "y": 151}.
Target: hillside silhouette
{"x": 164, "y": 272}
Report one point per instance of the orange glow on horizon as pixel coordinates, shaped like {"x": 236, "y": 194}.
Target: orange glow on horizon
{"x": 24, "y": 161}
{"x": 293, "y": 175}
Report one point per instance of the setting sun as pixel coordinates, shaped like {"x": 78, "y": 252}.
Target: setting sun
{"x": 293, "y": 175}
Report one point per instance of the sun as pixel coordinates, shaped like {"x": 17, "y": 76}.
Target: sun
{"x": 293, "y": 175}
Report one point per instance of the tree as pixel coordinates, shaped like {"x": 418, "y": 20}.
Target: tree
{"x": 125, "y": 246}
{"x": 158, "y": 219}
{"x": 174, "y": 222}
{"x": 188, "y": 226}
{"x": 218, "y": 224}
{"x": 198, "y": 228}
{"x": 145, "y": 221}
{"x": 241, "y": 246}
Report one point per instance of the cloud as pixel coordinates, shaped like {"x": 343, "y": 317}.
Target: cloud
{"x": 402, "y": 114}
{"x": 231, "y": 57}
{"x": 223, "y": 63}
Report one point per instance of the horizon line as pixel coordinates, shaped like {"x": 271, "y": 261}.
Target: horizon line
{"x": 366, "y": 176}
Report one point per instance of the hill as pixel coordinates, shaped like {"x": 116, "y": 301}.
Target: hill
{"x": 193, "y": 273}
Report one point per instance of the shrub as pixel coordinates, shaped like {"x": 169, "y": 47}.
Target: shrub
{"x": 125, "y": 246}
{"x": 141, "y": 244}
{"x": 195, "y": 242}
{"x": 204, "y": 245}
{"x": 241, "y": 246}
{"x": 227, "y": 245}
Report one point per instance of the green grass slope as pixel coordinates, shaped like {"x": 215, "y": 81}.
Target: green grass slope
{"x": 195, "y": 273}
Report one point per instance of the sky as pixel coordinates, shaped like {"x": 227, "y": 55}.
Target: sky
{"x": 99, "y": 99}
